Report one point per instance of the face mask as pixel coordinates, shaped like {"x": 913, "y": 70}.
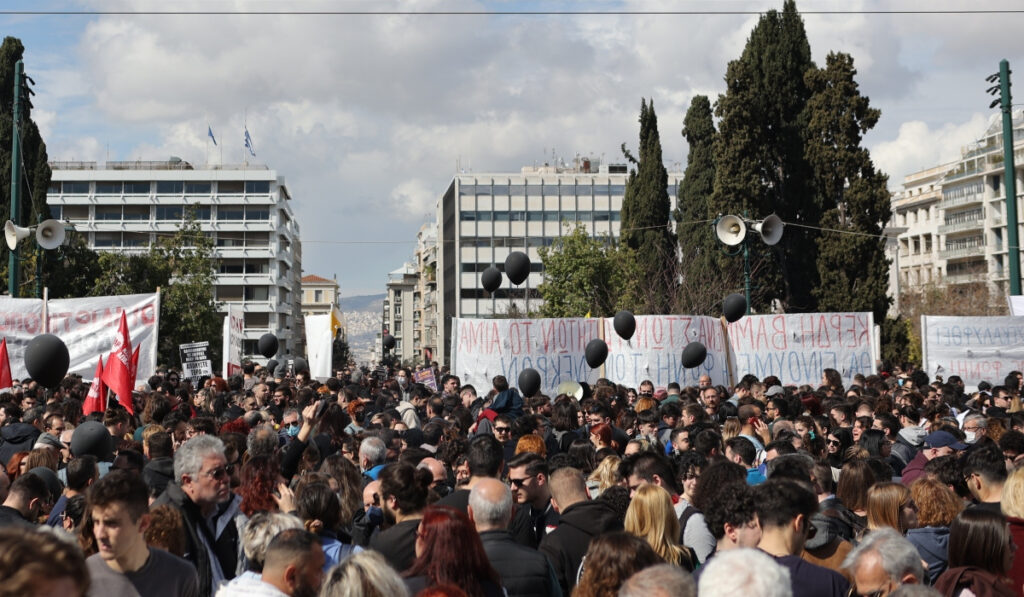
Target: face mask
{"x": 402, "y": 382}
{"x": 970, "y": 437}
{"x": 292, "y": 431}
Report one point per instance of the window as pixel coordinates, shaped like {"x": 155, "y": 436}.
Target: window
{"x": 257, "y": 320}
{"x": 135, "y": 239}
{"x": 517, "y": 189}
{"x": 55, "y": 212}
{"x": 198, "y": 188}
{"x": 109, "y": 188}
{"x": 169, "y": 213}
{"x": 257, "y": 213}
{"x": 618, "y": 189}
{"x": 467, "y": 216}
{"x": 108, "y": 212}
{"x": 54, "y": 187}
{"x": 534, "y": 190}
{"x": 501, "y": 189}
{"x": 257, "y": 186}
{"x": 76, "y": 188}
{"x": 73, "y": 212}
{"x": 467, "y": 189}
{"x": 200, "y": 212}
{"x": 136, "y": 213}
{"x": 107, "y": 239}
{"x": 257, "y": 239}
{"x": 231, "y": 212}
{"x": 229, "y": 186}
{"x": 257, "y": 267}
{"x": 137, "y": 188}
{"x": 231, "y": 239}
{"x": 169, "y": 187}
{"x": 231, "y": 267}
{"x": 255, "y": 293}
{"x": 318, "y": 296}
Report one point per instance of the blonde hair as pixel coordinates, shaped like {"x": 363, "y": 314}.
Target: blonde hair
{"x": 884, "y": 503}
{"x": 731, "y": 428}
{"x": 363, "y": 574}
{"x": 652, "y": 518}
{"x": 1013, "y": 494}
{"x": 607, "y": 473}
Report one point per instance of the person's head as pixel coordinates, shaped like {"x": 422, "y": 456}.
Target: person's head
{"x": 890, "y": 506}
{"x": 372, "y": 452}
{"x": 81, "y": 472}
{"x": 294, "y": 563}
{"x": 364, "y": 574}
{"x": 741, "y": 451}
{"x": 981, "y": 538}
{"x": 118, "y": 504}
{"x": 883, "y": 561}
{"x": 747, "y": 572}
{"x": 485, "y": 455}
{"x": 319, "y": 507}
{"x": 166, "y": 529}
{"x": 611, "y": 559}
{"x": 854, "y": 480}
{"x": 404, "y": 488}
{"x": 660, "y": 580}
{"x": 490, "y": 505}
{"x": 448, "y": 550}
{"x": 937, "y": 505}
{"x": 40, "y": 564}
{"x": 528, "y": 478}
{"x": 984, "y": 469}
{"x": 200, "y": 467}
{"x": 568, "y": 487}
{"x": 651, "y": 517}
{"x": 785, "y": 507}
{"x": 30, "y": 495}
{"x": 941, "y": 443}
{"x": 259, "y": 531}
{"x": 648, "y": 468}
{"x": 732, "y": 517}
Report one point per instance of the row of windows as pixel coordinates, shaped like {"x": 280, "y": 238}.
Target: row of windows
{"x": 537, "y": 190}
{"x": 220, "y": 239}
{"x": 242, "y": 266}
{"x": 163, "y": 187}
{"x": 485, "y": 242}
{"x": 539, "y": 216}
{"x": 172, "y": 213}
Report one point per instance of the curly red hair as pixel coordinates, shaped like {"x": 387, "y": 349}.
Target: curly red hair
{"x": 259, "y": 480}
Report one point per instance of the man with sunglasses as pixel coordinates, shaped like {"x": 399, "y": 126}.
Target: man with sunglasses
{"x": 528, "y": 480}
{"x": 200, "y": 489}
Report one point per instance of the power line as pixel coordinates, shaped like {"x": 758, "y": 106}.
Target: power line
{"x": 909, "y": 12}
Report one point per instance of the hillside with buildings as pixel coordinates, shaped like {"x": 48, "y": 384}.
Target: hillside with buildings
{"x": 363, "y": 320}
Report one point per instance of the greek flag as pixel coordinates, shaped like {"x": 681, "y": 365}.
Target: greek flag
{"x": 248, "y": 142}
{"x": 209, "y": 133}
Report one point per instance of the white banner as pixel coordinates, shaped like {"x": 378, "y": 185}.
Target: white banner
{"x": 21, "y": 319}
{"x": 234, "y": 325}
{"x": 319, "y": 345}
{"x": 975, "y": 348}
{"x": 795, "y": 348}
{"x": 88, "y": 326}
{"x": 1016, "y": 303}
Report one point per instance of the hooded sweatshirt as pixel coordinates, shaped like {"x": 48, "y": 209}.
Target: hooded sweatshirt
{"x": 508, "y": 402}
{"x": 16, "y": 437}
{"x": 566, "y": 545}
{"x": 933, "y": 545}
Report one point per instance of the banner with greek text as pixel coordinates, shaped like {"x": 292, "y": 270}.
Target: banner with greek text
{"x": 975, "y": 348}
{"x": 88, "y": 326}
{"x": 21, "y": 319}
{"x": 795, "y": 348}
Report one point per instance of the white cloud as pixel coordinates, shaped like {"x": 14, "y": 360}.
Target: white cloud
{"x": 919, "y": 146}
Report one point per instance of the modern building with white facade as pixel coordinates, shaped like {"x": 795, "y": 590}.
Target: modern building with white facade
{"x": 400, "y": 311}
{"x": 245, "y": 210}
{"x": 484, "y": 217}
{"x": 953, "y": 220}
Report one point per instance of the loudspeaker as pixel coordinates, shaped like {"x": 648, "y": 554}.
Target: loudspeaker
{"x": 50, "y": 234}
{"x": 731, "y": 230}
{"x": 14, "y": 234}
{"x": 770, "y": 229}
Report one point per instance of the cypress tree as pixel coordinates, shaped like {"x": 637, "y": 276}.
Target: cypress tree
{"x": 761, "y": 166}
{"x": 645, "y": 217}
{"x": 697, "y": 244}
{"x": 852, "y": 265}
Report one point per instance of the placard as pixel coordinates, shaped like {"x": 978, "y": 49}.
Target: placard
{"x": 195, "y": 360}
{"x": 975, "y": 348}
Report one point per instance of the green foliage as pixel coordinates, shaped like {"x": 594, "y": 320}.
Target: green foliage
{"x": 645, "y": 218}
{"x": 183, "y": 269}
{"x": 761, "y": 167}
{"x": 852, "y": 265}
{"x": 583, "y": 275}
{"x": 897, "y": 342}
{"x": 72, "y": 270}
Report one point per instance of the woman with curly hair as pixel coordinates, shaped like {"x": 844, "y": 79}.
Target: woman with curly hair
{"x": 611, "y": 559}
{"x": 604, "y": 476}
{"x": 260, "y": 479}
{"x": 449, "y": 551}
{"x": 651, "y": 517}
{"x": 937, "y": 506}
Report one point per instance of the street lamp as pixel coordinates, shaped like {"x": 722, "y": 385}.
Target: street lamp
{"x": 731, "y": 231}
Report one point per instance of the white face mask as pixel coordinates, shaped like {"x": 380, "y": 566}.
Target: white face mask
{"x": 402, "y": 381}
{"x": 970, "y": 437}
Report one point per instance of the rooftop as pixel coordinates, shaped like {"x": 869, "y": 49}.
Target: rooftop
{"x": 315, "y": 279}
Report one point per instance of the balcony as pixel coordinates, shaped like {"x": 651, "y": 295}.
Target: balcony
{"x": 966, "y": 277}
{"x": 968, "y": 224}
{"x": 966, "y": 199}
{"x": 962, "y": 252}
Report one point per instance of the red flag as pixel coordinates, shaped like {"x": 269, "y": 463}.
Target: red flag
{"x": 118, "y": 374}
{"x": 96, "y": 401}
{"x": 135, "y": 364}
{"x": 5, "y": 366}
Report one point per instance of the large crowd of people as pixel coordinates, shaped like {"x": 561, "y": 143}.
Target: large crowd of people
{"x": 368, "y": 484}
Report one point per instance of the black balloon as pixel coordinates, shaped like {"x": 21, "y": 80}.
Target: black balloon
{"x": 272, "y": 366}
{"x": 267, "y": 345}
{"x": 596, "y": 353}
{"x": 490, "y": 279}
{"x": 388, "y": 341}
{"x": 517, "y": 267}
{"x": 694, "y": 354}
{"x": 47, "y": 360}
{"x": 301, "y": 365}
{"x": 734, "y": 307}
{"x": 529, "y": 382}
{"x": 625, "y": 324}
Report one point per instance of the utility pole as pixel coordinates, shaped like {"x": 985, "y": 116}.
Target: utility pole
{"x": 1009, "y": 170}
{"x": 12, "y": 261}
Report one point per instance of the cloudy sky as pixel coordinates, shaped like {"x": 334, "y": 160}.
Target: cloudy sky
{"x": 367, "y": 115}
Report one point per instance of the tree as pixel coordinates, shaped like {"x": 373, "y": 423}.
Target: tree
{"x": 583, "y": 275}
{"x": 852, "y": 265}
{"x": 761, "y": 166}
{"x": 700, "y": 289}
{"x": 645, "y": 218}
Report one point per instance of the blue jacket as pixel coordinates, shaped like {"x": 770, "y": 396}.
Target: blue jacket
{"x": 933, "y": 545}
{"x": 508, "y": 402}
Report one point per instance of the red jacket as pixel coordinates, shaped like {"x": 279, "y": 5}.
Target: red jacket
{"x": 1017, "y": 571}
{"x": 914, "y": 469}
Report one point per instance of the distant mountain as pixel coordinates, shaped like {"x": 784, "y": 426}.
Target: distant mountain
{"x": 362, "y": 322}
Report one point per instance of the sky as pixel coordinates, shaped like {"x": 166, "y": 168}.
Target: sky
{"x": 368, "y": 116}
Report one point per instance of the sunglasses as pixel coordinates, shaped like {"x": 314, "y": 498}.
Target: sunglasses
{"x": 519, "y": 482}
{"x": 218, "y": 473}
{"x": 502, "y": 429}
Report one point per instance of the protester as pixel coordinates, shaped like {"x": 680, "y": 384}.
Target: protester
{"x": 39, "y": 564}
{"x": 609, "y": 562}
{"x": 884, "y": 561}
{"x": 980, "y": 556}
{"x": 748, "y": 572}
{"x": 449, "y": 551}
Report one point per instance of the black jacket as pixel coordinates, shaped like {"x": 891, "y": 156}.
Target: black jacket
{"x": 523, "y": 571}
{"x": 158, "y": 473}
{"x": 16, "y": 437}
{"x": 566, "y": 545}
{"x": 225, "y": 547}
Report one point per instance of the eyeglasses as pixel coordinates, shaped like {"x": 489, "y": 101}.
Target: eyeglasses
{"x": 834, "y": 442}
{"x": 218, "y": 473}
{"x": 519, "y": 482}
{"x": 502, "y": 429}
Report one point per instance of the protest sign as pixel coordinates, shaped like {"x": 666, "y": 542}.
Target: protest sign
{"x": 975, "y": 348}
{"x": 234, "y": 326}
{"x": 426, "y": 377}
{"x": 195, "y": 360}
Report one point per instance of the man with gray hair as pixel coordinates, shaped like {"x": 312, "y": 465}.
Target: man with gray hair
{"x": 201, "y": 486}
{"x": 974, "y": 427}
{"x": 523, "y": 571}
{"x": 744, "y": 571}
{"x": 372, "y": 456}
{"x": 663, "y": 580}
{"x": 884, "y": 561}
{"x": 256, "y": 537}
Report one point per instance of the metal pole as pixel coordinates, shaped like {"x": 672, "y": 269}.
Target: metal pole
{"x": 1010, "y": 174}
{"x": 12, "y": 260}
{"x": 746, "y": 274}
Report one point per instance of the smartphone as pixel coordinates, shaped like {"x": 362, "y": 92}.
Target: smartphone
{"x": 321, "y": 409}
{"x": 752, "y": 421}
